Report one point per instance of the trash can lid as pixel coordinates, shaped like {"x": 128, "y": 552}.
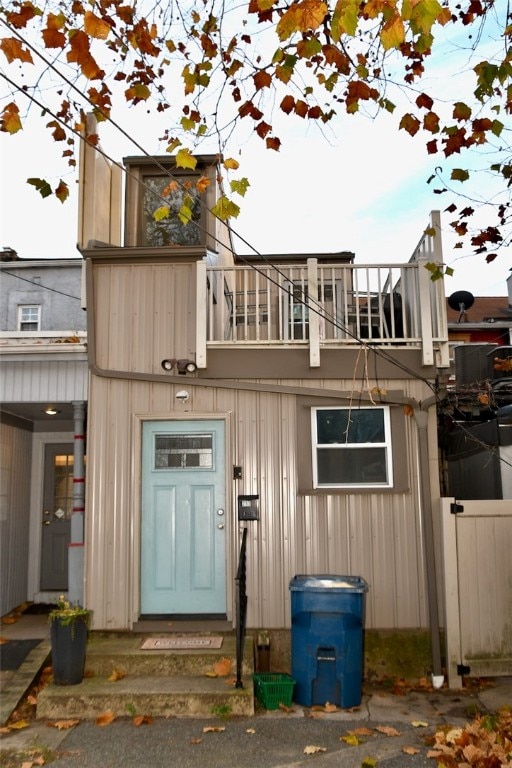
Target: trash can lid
{"x": 324, "y": 582}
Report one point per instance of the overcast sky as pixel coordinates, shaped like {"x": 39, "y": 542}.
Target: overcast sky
{"x": 361, "y": 186}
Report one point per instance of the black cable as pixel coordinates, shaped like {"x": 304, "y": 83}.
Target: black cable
{"x": 310, "y": 303}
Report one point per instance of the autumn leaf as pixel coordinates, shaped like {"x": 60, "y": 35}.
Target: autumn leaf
{"x": 231, "y": 164}
{"x": 410, "y": 124}
{"x": 387, "y": 730}
{"x": 369, "y": 762}
{"x": 312, "y": 750}
{"x": 410, "y": 750}
{"x": 202, "y": 184}
{"x": 225, "y": 209}
{"x": 262, "y": 79}
{"x": 10, "y": 123}
{"x": 458, "y": 174}
{"x": 351, "y": 739}
{"x": 117, "y": 674}
{"x": 142, "y": 720}
{"x": 41, "y": 185}
{"x": 13, "y": 50}
{"x": 185, "y": 159}
{"x": 392, "y": 34}
{"x": 222, "y": 667}
{"x": 19, "y": 725}
{"x": 161, "y": 213}
{"x": 301, "y": 17}
{"x": 214, "y": 729}
{"x": 96, "y": 27}
{"x": 107, "y": 718}
{"x": 239, "y": 186}
{"x": 63, "y": 725}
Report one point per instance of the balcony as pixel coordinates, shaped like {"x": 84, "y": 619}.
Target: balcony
{"x": 318, "y": 306}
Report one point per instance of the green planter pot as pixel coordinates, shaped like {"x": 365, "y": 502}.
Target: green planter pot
{"x": 69, "y": 643}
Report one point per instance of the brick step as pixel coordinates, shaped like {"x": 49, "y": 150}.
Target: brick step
{"x": 124, "y": 654}
{"x": 162, "y": 696}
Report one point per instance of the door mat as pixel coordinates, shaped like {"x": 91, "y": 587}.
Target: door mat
{"x": 181, "y": 643}
{"x": 14, "y": 652}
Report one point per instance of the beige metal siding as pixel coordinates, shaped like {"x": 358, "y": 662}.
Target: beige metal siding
{"x": 374, "y": 535}
{"x": 15, "y": 458}
{"x": 144, "y": 313}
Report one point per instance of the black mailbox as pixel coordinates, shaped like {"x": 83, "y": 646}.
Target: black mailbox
{"x": 248, "y": 508}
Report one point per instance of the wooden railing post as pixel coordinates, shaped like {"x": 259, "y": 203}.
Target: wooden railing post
{"x": 313, "y": 316}
{"x": 201, "y": 314}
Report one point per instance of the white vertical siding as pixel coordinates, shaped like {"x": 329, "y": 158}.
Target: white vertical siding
{"x": 15, "y": 458}
{"x": 376, "y": 535}
{"x": 43, "y": 380}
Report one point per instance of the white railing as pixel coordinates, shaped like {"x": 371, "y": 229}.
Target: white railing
{"x": 322, "y": 305}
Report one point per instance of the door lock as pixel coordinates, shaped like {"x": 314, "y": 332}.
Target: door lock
{"x": 46, "y": 522}
{"x": 220, "y": 526}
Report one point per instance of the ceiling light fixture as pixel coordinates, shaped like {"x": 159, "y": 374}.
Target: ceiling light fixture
{"x": 51, "y": 411}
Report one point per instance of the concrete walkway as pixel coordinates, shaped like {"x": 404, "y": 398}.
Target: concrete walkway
{"x": 268, "y": 740}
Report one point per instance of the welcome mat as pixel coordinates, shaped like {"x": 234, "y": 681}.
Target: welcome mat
{"x": 14, "y": 652}
{"x": 181, "y": 643}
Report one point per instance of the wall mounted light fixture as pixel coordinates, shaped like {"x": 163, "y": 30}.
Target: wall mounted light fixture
{"x": 183, "y": 366}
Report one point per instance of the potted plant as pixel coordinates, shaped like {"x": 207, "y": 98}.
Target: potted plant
{"x": 69, "y": 626}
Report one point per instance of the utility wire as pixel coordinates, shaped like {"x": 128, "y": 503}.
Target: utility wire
{"x": 39, "y": 285}
{"x": 307, "y": 301}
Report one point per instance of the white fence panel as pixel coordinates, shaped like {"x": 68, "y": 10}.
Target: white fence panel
{"x": 477, "y": 549}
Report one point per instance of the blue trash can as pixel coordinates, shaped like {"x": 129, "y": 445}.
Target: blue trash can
{"x": 327, "y": 652}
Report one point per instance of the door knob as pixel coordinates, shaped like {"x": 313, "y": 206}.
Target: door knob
{"x": 46, "y": 522}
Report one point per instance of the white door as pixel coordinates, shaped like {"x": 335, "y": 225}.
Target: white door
{"x": 183, "y": 560}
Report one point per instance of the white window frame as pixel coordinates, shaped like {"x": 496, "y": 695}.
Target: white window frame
{"x": 386, "y": 445}
{"x": 22, "y": 321}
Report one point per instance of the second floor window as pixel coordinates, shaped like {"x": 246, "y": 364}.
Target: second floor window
{"x": 182, "y": 225}
{"x": 29, "y": 318}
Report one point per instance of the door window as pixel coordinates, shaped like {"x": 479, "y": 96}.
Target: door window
{"x": 193, "y": 451}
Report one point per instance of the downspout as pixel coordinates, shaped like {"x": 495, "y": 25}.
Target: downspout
{"x": 76, "y": 544}
{"x": 421, "y": 418}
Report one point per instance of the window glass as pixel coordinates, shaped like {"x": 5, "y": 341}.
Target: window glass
{"x": 63, "y": 488}
{"x": 351, "y": 447}
{"x": 175, "y": 192}
{"x": 184, "y": 451}
{"x": 29, "y": 318}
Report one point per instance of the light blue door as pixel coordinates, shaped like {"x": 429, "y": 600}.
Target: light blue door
{"x": 183, "y": 537}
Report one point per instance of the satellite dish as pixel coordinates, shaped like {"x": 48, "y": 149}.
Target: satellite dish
{"x": 461, "y": 300}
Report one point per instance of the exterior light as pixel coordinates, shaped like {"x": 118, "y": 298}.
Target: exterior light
{"x": 51, "y": 411}
{"x": 183, "y": 366}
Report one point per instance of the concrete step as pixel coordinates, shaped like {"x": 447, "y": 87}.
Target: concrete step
{"x": 163, "y": 696}
{"x": 157, "y": 683}
{"x": 124, "y": 654}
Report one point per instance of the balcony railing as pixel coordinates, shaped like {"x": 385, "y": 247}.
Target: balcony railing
{"x": 324, "y": 305}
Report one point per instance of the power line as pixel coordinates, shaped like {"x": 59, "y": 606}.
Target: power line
{"x": 40, "y": 285}
{"x": 307, "y": 301}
